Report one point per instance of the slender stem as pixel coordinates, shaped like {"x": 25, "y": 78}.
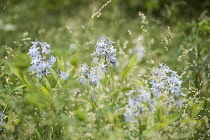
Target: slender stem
{"x": 105, "y": 62}
{"x": 56, "y": 82}
{"x": 5, "y": 109}
{"x": 140, "y": 130}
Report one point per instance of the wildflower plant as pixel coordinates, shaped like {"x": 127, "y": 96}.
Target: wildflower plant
{"x": 103, "y": 57}
{"x": 89, "y": 75}
{"x": 127, "y": 104}
{"x": 165, "y": 84}
{"x": 140, "y": 105}
{"x": 42, "y": 61}
{"x": 105, "y": 54}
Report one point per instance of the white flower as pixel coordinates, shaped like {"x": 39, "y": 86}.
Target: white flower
{"x": 104, "y": 55}
{"x": 45, "y": 65}
{"x": 45, "y": 48}
{"x": 101, "y": 43}
{"x": 129, "y": 117}
{"x": 103, "y": 67}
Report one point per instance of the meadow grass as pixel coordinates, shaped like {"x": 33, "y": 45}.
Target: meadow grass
{"x": 100, "y": 73}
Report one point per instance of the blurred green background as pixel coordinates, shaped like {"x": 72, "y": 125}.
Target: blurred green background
{"x": 46, "y": 19}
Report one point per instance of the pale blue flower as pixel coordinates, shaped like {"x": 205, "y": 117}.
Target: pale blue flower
{"x": 164, "y": 80}
{"x": 33, "y": 51}
{"x": 89, "y": 75}
{"x": 94, "y": 78}
{"x": 105, "y": 51}
{"x": 82, "y": 80}
{"x": 139, "y": 105}
{"x": 45, "y": 48}
{"x": 41, "y": 64}
{"x": 51, "y": 60}
{"x": 36, "y": 60}
{"x": 164, "y": 83}
{"x": 104, "y": 55}
{"x": 63, "y": 75}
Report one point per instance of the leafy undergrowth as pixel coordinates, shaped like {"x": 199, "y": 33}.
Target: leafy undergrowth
{"x": 110, "y": 78}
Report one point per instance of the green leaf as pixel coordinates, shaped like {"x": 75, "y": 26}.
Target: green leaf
{"x": 60, "y": 63}
{"x": 171, "y": 118}
{"x": 47, "y": 83}
{"x": 54, "y": 74}
{"x": 17, "y": 88}
{"x": 45, "y": 91}
{"x": 130, "y": 67}
{"x": 27, "y": 79}
{"x": 140, "y": 82}
{"x": 38, "y": 134}
{"x": 10, "y": 115}
{"x": 12, "y": 119}
{"x": 87, "y": 99}
{"x": 15, "y": 70}
{"x": 167, "y": 120}
{"x": 196, "y": 109}
{"x": 188, "y": 119}
{"x": 56, "y": 78}
{"x": 36, "y": 99}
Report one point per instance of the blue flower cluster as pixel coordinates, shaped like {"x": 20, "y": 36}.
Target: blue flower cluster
{"x": 142, "y": 103}
{"x": 165, "y": 83}
{"x": 105, "y": 51}
{"x": 104, "y": 56}
{"x": 89, "y": 75}
{"x": 41, "y": 60}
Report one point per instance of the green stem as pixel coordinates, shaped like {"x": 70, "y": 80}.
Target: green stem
{"x": 140, "y": 130}
{"x": 5, "y": 109}
{"x": 56, "y": 82}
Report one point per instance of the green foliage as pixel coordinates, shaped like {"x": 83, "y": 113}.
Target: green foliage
{"x": 130, "y": 66}
{"x": 177, "y": 33}
{"x": 198, "y": 55}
